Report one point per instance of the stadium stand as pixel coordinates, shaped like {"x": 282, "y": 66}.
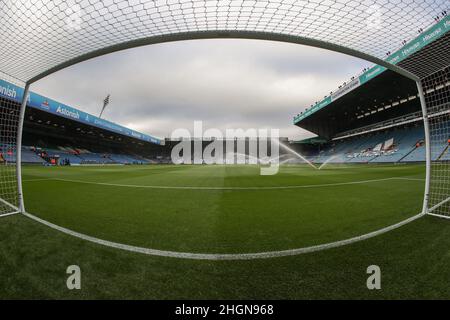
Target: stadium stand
{"x": 407, "y": 146}
{"x": 359, "y": 124}
{"x": 30, "y": 156}
{"x": 7, "y": 153}
{"x": 377, "y": 121}
{"x": 72, "y": 156}
{"x": 55, "y": 133}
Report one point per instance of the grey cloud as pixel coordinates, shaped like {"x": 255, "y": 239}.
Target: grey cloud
{"x": 225, "y": 83}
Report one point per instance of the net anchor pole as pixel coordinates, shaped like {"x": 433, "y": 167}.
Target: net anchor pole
{"x": 19, "y": 148}
{"x": 426, "y": 127}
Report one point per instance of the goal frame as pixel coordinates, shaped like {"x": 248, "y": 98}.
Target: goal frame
{"x": 236, "y": 34}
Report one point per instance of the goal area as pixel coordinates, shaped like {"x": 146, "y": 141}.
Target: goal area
{"x": 40, "y": 37}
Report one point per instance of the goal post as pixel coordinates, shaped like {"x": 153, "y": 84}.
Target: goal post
{"x": 438, "y": 100}
{"x": 436, "y": 120}
{"x": 426, "y": 129}
{"x": 432, "y": 66}
{"x": 23, "y": 107}
{"x": 81, "y": 30}
{"x": 10, "y": 130}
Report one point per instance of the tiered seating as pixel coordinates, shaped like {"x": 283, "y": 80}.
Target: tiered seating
{"x": 359, "y": 155}
{"x": 407, "y": 148}
{"x": 127, "y": 159}
{"x": 121, "y": 158}
{"x": 94, "y": 158}
{"x": 141, "y": 160}
{"x": 29, "y": 156}
{"x": 8, "y": 153}
{"x": 418, "y": 154}
{"x": 68, "y": 155}
{"x": 446, "y": 155}
{"x": 405, "y": 141}
{"x": 63, "y": 154}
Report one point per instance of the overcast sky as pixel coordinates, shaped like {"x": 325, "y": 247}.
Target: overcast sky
{"x": 225, "y": 83}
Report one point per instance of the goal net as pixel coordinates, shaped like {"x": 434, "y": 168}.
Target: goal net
{"x": 438, "y": 102}
{"x": 432, "y": 65}
{"x": 40, "y": 37}
{"x": 9, "y": 123}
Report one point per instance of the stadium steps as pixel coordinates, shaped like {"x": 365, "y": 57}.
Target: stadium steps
{"x": 417, "y": 155}
{"x": 62, "y": 154}
{"x": 442, "y": 155}
{"x": 405, "y": 150}
{"x": 407, "y": 154}
{"x": 29, "y": 156}
{"x": 374, "y": 158}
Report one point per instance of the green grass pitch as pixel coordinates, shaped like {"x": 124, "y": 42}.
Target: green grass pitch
{"x": 224, "y": 209}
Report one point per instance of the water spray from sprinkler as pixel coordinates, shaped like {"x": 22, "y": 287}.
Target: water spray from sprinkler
{"x": 295, "y": 153}
{"x": 328, "y": 160}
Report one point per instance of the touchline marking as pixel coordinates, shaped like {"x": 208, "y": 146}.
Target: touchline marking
{"x": 224, "y": 256}
{"x": 228, "y": 188}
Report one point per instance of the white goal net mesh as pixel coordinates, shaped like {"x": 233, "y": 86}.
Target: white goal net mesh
{"x": 41, "y": 36}
{"x": 9, "y": 122}
{"x": 432, "y": 65}
{"x": 438, "y": 102}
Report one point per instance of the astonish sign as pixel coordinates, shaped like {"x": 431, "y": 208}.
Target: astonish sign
{"x": 36, "y": 101}
{"x": 68, "y": 113}
{"x": 7, "y": 91}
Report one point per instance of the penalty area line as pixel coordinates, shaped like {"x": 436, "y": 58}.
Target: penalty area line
{"x": 231, "y": 188}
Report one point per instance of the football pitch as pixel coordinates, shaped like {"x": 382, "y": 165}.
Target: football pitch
{"x": 224, "y": 210}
